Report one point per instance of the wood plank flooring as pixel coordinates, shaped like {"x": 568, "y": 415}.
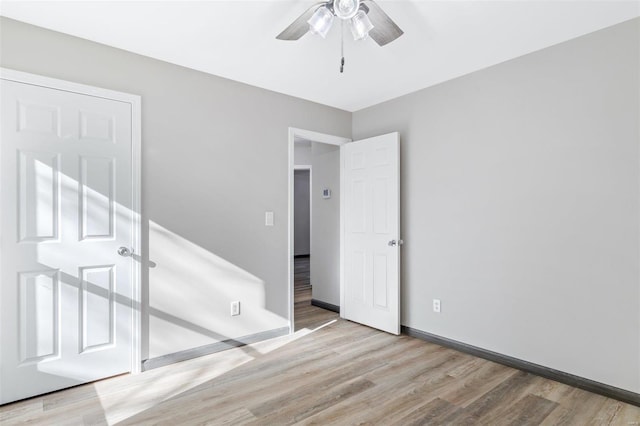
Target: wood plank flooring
{"x": 330, "y": 372}
{"x": 306, "y": 316}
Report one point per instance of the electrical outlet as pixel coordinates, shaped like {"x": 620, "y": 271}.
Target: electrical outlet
{"x": 436, "y": 305}
{"x": 235, "y": 308}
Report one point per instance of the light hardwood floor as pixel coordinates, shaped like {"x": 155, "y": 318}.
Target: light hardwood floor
{"x": 329, "y": 372}
{"x": 307, "y": 316}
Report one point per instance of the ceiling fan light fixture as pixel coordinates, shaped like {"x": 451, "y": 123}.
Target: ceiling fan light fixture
{"x": 321, "y": 21}
{"x": 360, "y": 25}
{"x": 346, "y": 9}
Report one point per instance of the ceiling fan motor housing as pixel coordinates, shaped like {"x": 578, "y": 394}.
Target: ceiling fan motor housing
{"x": 345, "y": 9}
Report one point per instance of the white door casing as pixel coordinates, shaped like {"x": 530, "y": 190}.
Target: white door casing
{"x": 69, "y": 304}
{"x": 370, "y": 293}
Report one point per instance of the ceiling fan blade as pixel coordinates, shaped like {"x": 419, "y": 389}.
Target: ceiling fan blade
{"x": 299, "y": 27}
{"x": 384, "y": 29}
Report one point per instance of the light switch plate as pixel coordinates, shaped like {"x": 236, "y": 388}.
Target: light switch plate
{"x": 268, "y": 218}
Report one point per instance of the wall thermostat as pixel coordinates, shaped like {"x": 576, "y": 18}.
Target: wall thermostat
{"x": 326, "y": 193}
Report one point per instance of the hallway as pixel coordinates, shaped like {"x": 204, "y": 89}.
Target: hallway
{"x": 306, "y": 315}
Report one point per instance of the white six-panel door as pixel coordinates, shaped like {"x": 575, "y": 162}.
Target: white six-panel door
{"x": 66, "y": 207}
{"x": 371, "y": 240}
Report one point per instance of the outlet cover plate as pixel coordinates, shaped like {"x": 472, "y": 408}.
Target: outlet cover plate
{"x": 235, "y": 308}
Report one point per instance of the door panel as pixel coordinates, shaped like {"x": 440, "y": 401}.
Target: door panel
{"x": 97, "y": 307}
{"x": 97, "y": 204}
{"x": 371, "y": 170}
{"x": 380, "y": 281}
{"x": 66, "y": 198}
{"x": 39, "y": 323}
{"x": 38, "y": 118}
{"x": 357, "y": 207}
{"x": 38, "y": 195}
{"x": 381, "y": 205}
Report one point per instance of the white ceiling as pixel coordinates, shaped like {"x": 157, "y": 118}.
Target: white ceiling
{"x": 236, "y": 39}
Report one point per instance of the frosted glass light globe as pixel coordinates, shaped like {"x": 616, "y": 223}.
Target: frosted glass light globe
{"x": 321, "y": 21}
{"x": 360, "y": 25}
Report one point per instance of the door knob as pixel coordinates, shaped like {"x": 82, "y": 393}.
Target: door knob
{"x": 394, "y": 243}
{"x": 125, "y": 252}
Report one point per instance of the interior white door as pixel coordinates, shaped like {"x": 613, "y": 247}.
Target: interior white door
{"x": 66, "y": 194}
{"x": 371, "y": 241}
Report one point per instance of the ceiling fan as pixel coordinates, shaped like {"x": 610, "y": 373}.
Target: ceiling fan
{"x": 365, "y": 18}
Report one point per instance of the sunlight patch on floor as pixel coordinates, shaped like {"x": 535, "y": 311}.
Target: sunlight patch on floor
{"x": 270, "y": 345}
{"x": 137, "y": 393}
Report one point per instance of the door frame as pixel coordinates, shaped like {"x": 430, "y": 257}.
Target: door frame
{"x": 314, "y": 137}
{"x": 136, "y": 189}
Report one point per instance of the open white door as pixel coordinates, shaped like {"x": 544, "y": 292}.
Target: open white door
{"x": 66, "y": 287}
{"x": 371, "y": 239}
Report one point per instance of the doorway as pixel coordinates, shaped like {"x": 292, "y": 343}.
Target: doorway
{"x": 314, "y": 226}
{"x": 302, "y": 234}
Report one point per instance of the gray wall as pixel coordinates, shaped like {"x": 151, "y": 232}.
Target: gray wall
{"x": 302, "y": 153}
{"x": 301, "y": 192}
{"x": 301, "y": 213}
{"x": 214, "y": 160}
{"x": 520, "y": 205}
{"x": 325, "y": 223}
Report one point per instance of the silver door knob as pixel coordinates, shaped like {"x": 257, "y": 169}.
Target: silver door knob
{"x": 125, "y": 252}
{"x": 394, "y": 243}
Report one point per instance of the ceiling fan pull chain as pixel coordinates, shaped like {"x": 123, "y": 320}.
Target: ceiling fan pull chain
{"x": 342, "y": 46}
